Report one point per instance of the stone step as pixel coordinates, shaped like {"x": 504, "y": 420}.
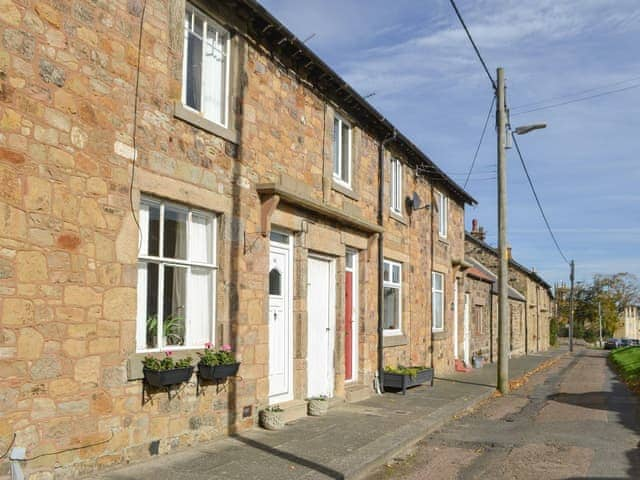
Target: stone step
{"x": 293, "y": 410}
{"x": 357, "y": 393}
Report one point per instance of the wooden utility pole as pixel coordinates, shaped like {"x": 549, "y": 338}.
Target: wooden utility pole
{"x": 503, "y": 265}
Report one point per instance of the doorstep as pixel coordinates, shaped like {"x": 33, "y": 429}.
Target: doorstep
{"x": 293, "y": 410}
{"x": 356, "y": 393}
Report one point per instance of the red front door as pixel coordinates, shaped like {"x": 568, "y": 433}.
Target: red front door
{"x": 348, "y": 326}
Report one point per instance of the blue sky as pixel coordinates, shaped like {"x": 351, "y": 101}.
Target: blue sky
{"x": 427, "y": 81}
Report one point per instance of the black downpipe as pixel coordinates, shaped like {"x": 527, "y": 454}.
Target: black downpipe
{"x": 381, "y": 260}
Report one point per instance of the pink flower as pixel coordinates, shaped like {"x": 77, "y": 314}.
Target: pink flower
{"x": 168, "y": 353}
{"x": 208, "y": 345}
{"x": 226, "y": 347}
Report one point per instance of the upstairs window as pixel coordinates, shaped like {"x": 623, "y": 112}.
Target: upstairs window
{"x": 176, "y": 276}
{"x": 392, "y": 277}
{"x": 396, "y": 186}
{"x": 341, "y": 151}
{"x": 205, "y": 71}
{"x": 443, "y": 214}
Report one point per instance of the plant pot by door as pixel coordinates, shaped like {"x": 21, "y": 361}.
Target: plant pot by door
{"x": 478, "y": 362}
{"x": 271, "y": 420}
{"x": 318, "y": 407}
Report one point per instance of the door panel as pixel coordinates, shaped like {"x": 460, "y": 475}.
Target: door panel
{"x": 280, "y": 339}
{"x": 320, "y": 369}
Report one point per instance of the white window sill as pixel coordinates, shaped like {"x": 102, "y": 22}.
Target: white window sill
{"x": 395, "y": 339}
{"x": 398, "y": 217}
{"x": 197, "y": 120}
{"x": 344, "y": 188}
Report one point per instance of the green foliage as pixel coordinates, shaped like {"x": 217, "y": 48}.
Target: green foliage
{"x": 554, "y": 330}
{"x": 608, "y": 295}
{"x": 273, "y": 408}
{"x": 401, "y": 370}
{"x": 627, "y": 362}
{"x": 167, "y": 363}
{"x": 212, "y": 357}
{"x": 172, "y": 328}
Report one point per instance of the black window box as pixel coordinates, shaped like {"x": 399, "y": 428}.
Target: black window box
{"x": 217, "y": 372}
{"x": 402, "y": 382}
{"x": 165, "y": 378}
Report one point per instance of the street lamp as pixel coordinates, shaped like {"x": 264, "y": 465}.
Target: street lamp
{"x": 523, "y": 130}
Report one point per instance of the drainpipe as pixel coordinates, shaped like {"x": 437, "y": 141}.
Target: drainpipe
{"x": 381, "y": 260}
{"x": 433, "y": 251}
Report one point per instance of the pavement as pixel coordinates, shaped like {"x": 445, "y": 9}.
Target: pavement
{"x": 574, "y": 420}
{"x": 348, "y": 443}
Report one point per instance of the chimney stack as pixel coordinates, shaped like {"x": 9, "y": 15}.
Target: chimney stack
{"x": 477, "y": 232}
{"x": 509, "y": 256}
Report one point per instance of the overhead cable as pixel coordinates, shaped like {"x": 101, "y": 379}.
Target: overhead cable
{"x": 484, "y": 129}
{"x": 535, "y": 195}
{"x": 493, "y": 83}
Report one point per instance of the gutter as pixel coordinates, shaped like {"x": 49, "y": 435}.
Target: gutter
{"x": 381, "y": 260}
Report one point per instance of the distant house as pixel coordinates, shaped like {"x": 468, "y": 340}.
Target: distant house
{"x": 629, "y": 325}
{"x": 530, "y": 320}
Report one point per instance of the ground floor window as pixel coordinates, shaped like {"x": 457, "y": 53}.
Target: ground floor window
{"x": 176, "y": 276}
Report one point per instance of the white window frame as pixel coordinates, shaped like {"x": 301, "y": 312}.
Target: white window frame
{"x": 434, "y": 291}
{"x": 396, "y": 186}
{"x": 162, "y": 261}
{"x": 337, "y": 154}
{"x": 207, "y": 20}
{"x": 398, "y": 286}
{"x": 443, "y": 214}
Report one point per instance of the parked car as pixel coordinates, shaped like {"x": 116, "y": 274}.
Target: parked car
{"x": 629, "y": 342}
{"x": 612, "y": 344}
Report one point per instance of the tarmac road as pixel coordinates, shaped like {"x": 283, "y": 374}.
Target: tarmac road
{"x": 572, "y": 421}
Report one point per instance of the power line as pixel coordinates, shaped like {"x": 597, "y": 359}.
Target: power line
{"x": 484, "y": 129}
{"x": 535, "y": 195}
{"x": 493, "y": 83}
{"x": 602, "y": 94}
{"x": 575, "y": 94}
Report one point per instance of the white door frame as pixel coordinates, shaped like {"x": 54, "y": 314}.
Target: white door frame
{"x": 355, "y": 340}
{"x": 331, "y": 371}
{"x": 288, "y": 284}
{"x": 466, "y": 333}
{"x": 455, "y": 317}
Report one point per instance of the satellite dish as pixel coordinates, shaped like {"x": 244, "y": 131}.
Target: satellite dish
{"x": 416, "y": 201}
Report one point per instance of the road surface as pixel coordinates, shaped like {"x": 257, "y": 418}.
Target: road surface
{"x": 574, "y": 420}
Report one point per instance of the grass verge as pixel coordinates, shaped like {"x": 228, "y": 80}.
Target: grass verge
{"x": 626, "y": 361}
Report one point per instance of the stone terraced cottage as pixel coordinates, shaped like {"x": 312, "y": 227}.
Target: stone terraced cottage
{"x": 175, "y": 173}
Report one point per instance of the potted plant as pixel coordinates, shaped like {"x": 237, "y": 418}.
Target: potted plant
{"x": 172, "y": 329}
{"x": 477, "y": 359}
{"x": 217, "y": 364}
{"x": 271, "y": 418}
{"x": 166, "y": 372}
{"x": 318, "y": 406}
{"x": 405, "y": 377}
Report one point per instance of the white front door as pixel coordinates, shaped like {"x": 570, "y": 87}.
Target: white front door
{"x": 455, "y": 318}
{"x": 280, "y": 320}
{"x": 321, "y": 322}
{"x": 466, "y": 334}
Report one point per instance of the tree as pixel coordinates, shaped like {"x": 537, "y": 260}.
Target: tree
{"x": 612, "y": 292}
